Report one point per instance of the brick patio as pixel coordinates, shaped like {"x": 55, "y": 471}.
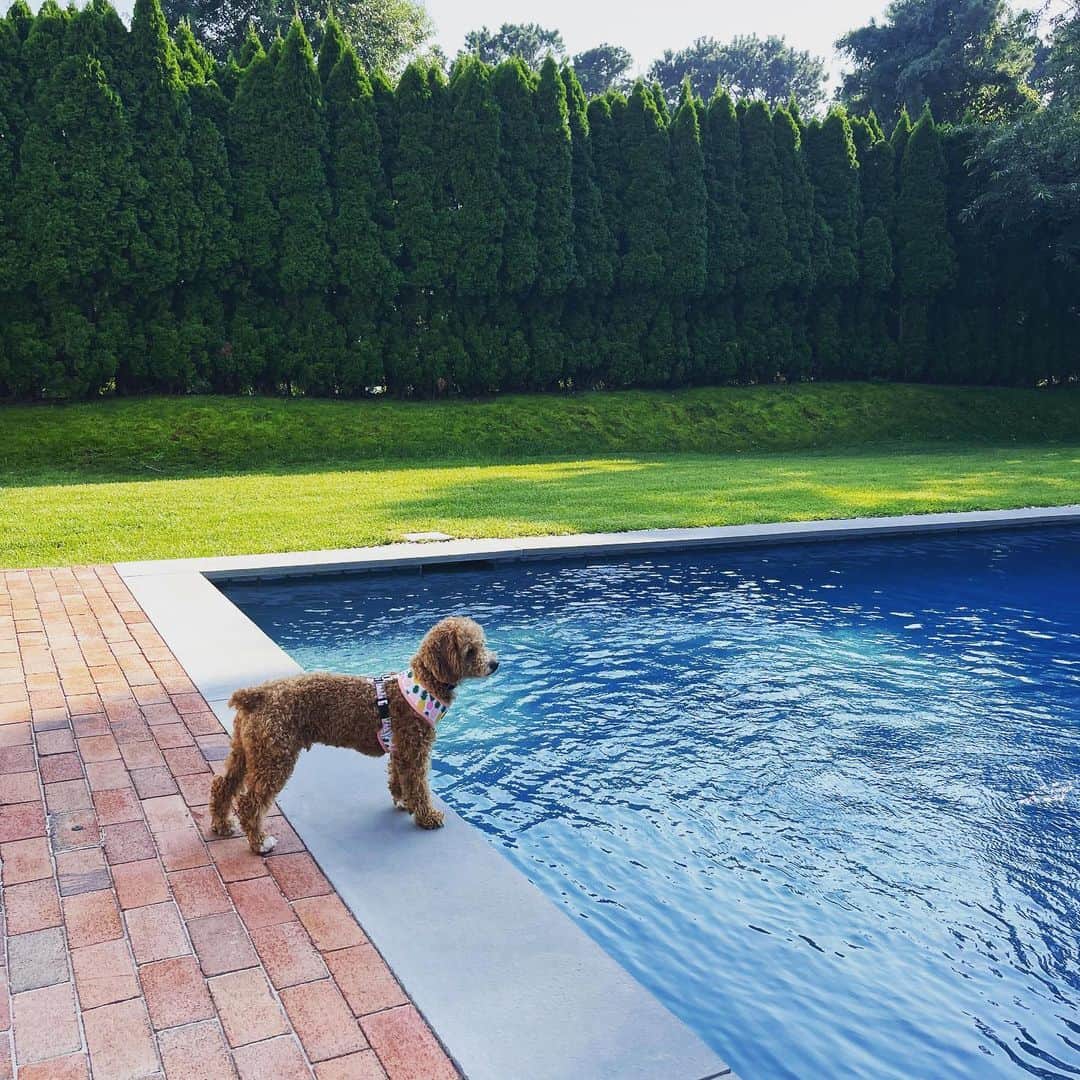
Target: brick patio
{"x": 135, "y": 943}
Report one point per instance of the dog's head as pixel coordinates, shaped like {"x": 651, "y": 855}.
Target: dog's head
{"x": 454, "y": 649}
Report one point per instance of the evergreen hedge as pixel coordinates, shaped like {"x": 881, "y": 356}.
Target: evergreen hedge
{"x": 290, "y": 224}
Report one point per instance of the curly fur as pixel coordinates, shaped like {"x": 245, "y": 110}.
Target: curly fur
{"x": 278, "y": 719}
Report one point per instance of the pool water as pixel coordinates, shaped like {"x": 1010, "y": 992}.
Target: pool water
{"x": 823, "y": 800}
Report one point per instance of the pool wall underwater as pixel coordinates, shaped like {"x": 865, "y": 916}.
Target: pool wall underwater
{"x": 510, "y": 984}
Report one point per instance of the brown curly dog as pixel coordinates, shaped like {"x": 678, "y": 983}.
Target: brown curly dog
{"x": 395, "y": 715}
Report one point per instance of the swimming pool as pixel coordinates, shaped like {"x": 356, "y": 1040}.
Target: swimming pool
{"x": 822, "y": 800}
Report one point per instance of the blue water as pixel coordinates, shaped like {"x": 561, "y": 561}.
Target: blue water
{"x": 824, "y": 801}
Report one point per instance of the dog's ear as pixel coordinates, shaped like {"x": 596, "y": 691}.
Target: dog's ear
{"x": 444, "y": 652}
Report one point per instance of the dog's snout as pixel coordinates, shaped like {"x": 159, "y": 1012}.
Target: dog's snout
{"x": 493, "y": 666}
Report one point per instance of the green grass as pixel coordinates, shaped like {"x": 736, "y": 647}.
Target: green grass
{"x": 160, "y": 478}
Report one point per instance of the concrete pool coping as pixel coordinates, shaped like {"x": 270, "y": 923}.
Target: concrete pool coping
{"x": 511, "y": 985}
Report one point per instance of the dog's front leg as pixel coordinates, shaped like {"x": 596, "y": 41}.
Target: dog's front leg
{"x": 417, "y": 793}
{"x": 394, "y": 781}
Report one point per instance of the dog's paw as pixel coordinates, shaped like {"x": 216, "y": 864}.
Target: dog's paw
{"x": 231, "y": 827}
{"x": 268, "y": 845}
{"x": 432, "y": 819}
{"x": 399, "y": 805}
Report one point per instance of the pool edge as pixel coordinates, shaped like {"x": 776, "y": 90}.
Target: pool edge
{"x": 554, "y": 1005}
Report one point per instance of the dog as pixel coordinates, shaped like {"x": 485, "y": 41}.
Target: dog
{"x": 395, "y": 716}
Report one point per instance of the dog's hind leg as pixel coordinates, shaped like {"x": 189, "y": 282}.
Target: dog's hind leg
{"x": 250, "y": 808}
{"x": 265, "y": 778}
{"x": 224, "y": 788}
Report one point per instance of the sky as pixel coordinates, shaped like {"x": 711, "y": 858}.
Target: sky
{"x": 648, "y": 29}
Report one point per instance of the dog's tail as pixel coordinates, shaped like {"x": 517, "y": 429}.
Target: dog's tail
{"x": 250, "y": 699}
{"x": 224, "y": 788}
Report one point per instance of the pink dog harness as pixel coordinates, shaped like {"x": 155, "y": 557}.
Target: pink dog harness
{"x": 423, "y": 702}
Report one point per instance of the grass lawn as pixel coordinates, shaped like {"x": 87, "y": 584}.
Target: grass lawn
{"x": 160, "y": 478}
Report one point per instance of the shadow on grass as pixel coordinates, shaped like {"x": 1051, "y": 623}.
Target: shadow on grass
{"x": 646, "y": 494}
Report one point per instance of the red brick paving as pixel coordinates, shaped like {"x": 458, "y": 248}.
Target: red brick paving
{"x": 132, "y": 947}
{"x": 104, "y": 974}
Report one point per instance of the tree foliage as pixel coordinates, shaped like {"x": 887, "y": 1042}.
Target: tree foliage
{"x": 957, "y": 56}
{"x": 747, "y": 67}
{"x": 277, "y": 224}
{"x": 554, "y": 224}
{"x": 602, "y": 68}
{"x": 530, "y": 42}
{"x": 519, "y": 147}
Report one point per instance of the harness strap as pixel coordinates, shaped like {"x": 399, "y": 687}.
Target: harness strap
{"x": 385, "y": 733}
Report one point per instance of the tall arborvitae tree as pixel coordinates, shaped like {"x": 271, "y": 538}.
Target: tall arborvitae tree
{"x": 646, "y": 209}
{"x": 11, "y": 72}
{"x": 209, "y": 241}
{"x": 924, "y": 249}
{"x": 255, "y": 341}
{"x": 662, "y": 110}
{"x": 43, "y": 50}
{"x": 197, "y": 66}
{"x": 9, "y": 268}
{"x": 419, "y": 189}
{"x": 877, "y": 174}
{"x": 872, "y": 354}
{"x": 16, "y": 309}
{"x": 331, "y": 49}
{"x": 789, "y": 341}
{"x": 554, "y": 224}
{"x": 610, "y": 177}
{"x": 21, "y": 18}
{"x": 977, "y": 323}
{"x": 724, "y": 184}
{"x": 595, "y": 314}
{"x": 519, "y": 142}
{"x": 301, "y": 194}
{"x": 479, "y": 211}
{"x": 299, "y": 186}
{"x": 478, "y": 220}
{"x": 798, "y": 201}
{"x": 96, "y": 30}
{"x": 688, "y": 237}
{"x": 386, "y": 115}
{"x": 365, "y": 278}
{"x": 594, "y": 244}
{"x": 766, "y": 266}
{"x": 647, "y": 193}
{"x": 713, "y": 329}
{"x": 75, "y": 220}
{"x": 12, "y": 122}
{"x": 251, "y": 153}
{"x": 834, "y": 170}
{"x": 417, "y": 181}
{"x": 162, "y": 257}
{"x": 251, "y": 49}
